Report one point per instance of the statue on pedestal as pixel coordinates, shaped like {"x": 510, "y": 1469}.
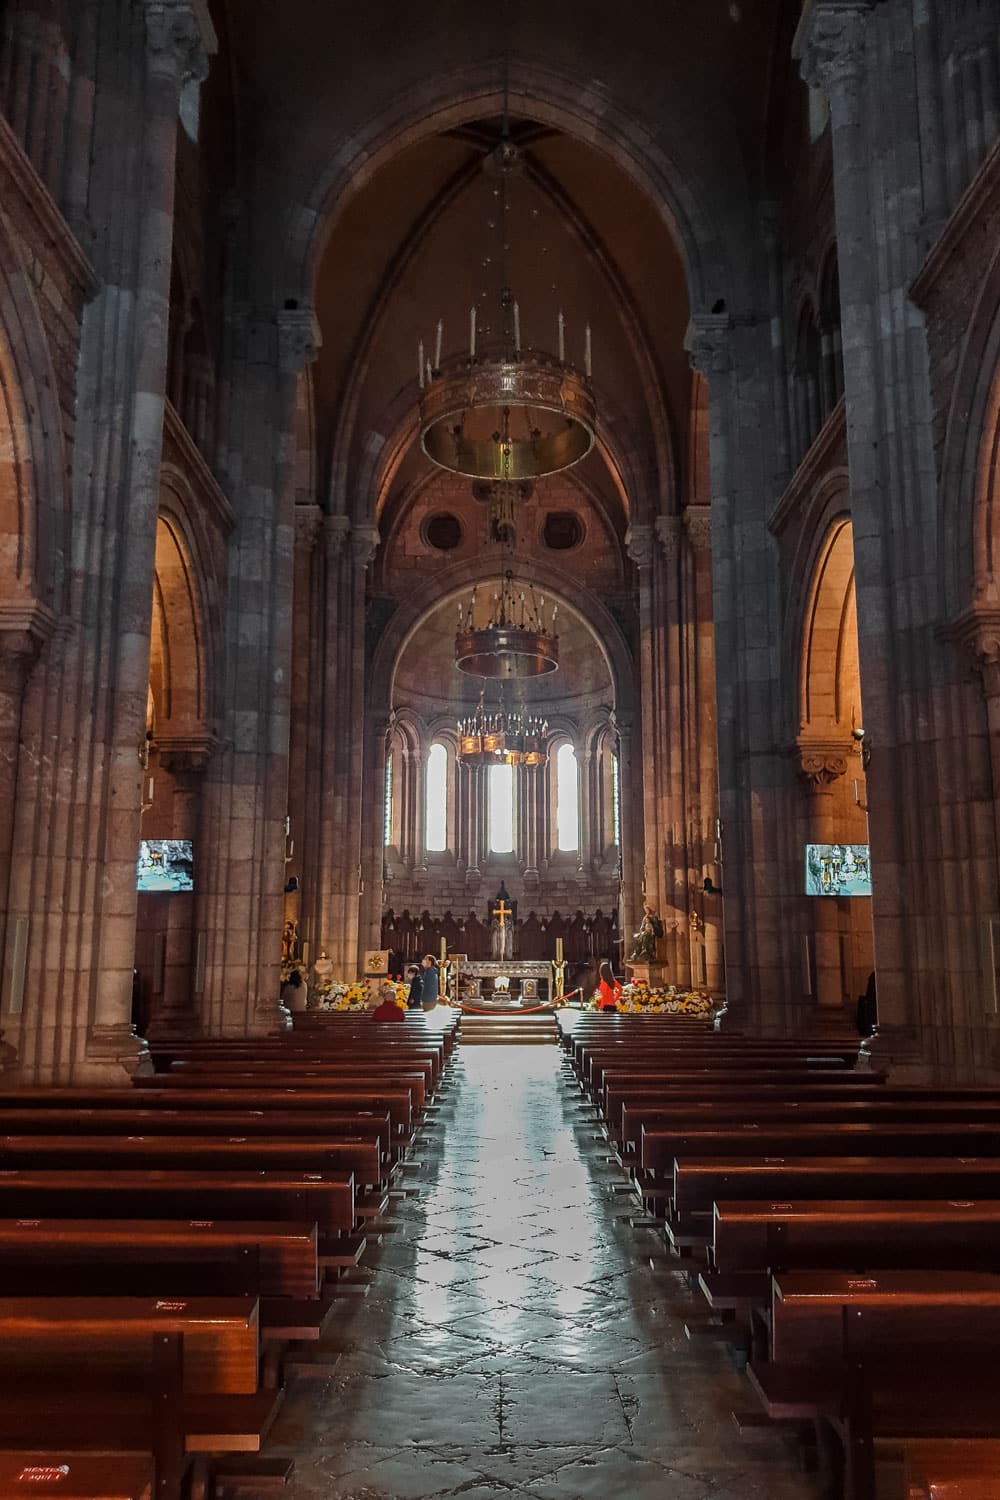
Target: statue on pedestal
{"x": 645, "y": 939}
{"x": 503, "y": 915}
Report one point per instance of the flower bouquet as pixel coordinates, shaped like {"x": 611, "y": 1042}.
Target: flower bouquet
{"x": 641, "y": 1000}
{"x": 339, "y": 996}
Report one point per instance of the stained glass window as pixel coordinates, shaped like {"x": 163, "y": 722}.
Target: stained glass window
{"x": 501, "y": 809}
{"x": 436, "y": 803}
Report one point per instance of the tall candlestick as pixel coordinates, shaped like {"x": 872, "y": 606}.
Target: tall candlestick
{"x": 430, "y": 373}
{"x": 586, "y": 352}
{"x": 437, "y": 344}
{"x": 517, "y": 328}
{"x": 472, "y": 332}
{"x": 420, "y": 363}
{"x": 444, "y": 950}
{"x": 562, "y": 338}
{"x": 559, "y": 950}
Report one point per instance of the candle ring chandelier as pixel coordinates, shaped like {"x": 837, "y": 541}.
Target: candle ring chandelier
{"x": 508, "y": 411}
{"x": 497, "y": 736}
{"x": 513, "y": 641}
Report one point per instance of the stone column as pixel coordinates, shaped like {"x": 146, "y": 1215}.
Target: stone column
{"x": 701, "y": 740}
{"x": 732, "y": 351}
{"x": 247, "y": 783}
{"x": 185, "y": 760}
{"x": 820, "y": 766}
{"x": 633, "y": 847}
{"x": 585, "y": 858}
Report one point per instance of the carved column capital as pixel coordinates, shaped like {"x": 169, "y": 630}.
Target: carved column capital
{"x": 299, "y": 339}
{"x": 639, "y": 545}
{"x": 707, "y": 341}
{"x": 308, "y": 527}
{"x": 24, "y": 629}
{"x": 364, "y": 544}
{"x": 668, "y": 534}
{"x": 821, "y": 762}
{"x": 337, "y": 529}
{"x": 698, "y": 525}
{"x": 830, "y": 46}
{"x": 978, "y": 630}
{"x": 186, "y": 754}
{"x": 179, "y": 40}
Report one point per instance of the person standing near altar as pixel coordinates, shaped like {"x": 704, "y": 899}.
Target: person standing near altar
{"x": 414, "y": 978}
{"x": 430, "y": 982}
{"x": 608, "y": 989}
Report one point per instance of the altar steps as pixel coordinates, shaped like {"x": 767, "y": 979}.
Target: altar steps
{"x": 509, "y": 1028}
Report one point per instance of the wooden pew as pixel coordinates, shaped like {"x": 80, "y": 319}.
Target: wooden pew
{"x": 326, "y": 1198}
{"x": 698, "y": 1184}
{"x": 216, "y": 1153}
{"x": 286, "y": 1254}
{"x": 246, "y": 1079}
{"x": 659, "y": 1148}
{"x": 856, "y": 1234}
{"x": 76, "y": 1476}
{"x": 396, "y": 1102}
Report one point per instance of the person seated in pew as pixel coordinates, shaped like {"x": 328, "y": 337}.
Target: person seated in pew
{"x": 609, "y": 989}
{"x": 388, "y": 1008}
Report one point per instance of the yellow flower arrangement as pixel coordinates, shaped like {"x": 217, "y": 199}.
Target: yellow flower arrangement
{"x": 639, "y": 999}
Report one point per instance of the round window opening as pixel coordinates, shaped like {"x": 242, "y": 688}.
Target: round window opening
{"x": 562, "y": 531}
{"x": 443, "y": 532}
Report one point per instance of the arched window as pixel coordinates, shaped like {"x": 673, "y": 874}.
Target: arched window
{"x": 436, "y": 799}
{"x": 567, "y": 799}
{"x": 501, "y": 809}
{"x": 387, "y": 812}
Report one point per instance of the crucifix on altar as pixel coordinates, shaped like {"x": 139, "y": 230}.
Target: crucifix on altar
{"x": 502, "y": 918}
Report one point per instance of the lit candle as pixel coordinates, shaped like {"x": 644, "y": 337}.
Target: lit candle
{"x": 472, "y": 332}
{"x": 559, "y": 950}
{"x": 437, "y": 344}
{"x": 420, "y": 363}
{"x": 586, "y": 352}
{"x": 517, "y": 328}
{"x": 444, "y": 950}
{"x": 562, "y": 338}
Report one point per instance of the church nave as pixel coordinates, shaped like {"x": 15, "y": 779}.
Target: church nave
{"x": 515, "y": 1341}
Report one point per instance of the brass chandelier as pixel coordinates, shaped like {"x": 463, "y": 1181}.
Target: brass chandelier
{"x": 506, "y": 410}
{"x": 497, "y": 736}
{"x": 513, "y": 640}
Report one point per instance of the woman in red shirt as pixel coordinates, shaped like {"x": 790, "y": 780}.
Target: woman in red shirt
{"x": 608, "y": 989}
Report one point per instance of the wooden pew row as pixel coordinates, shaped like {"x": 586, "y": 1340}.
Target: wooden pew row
{"x": 217, "y": 1153}
{"x": 242, "y": 1075}
{"x": 660, "y": 1148}
{"x": 395, "y": 1102}
{"x": 377, "y": 1054}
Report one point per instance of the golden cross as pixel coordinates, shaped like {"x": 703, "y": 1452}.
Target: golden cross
{"x": 503, "y": 911}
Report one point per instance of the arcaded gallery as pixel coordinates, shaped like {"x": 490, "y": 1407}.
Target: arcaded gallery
{"x": 500, "y": 750}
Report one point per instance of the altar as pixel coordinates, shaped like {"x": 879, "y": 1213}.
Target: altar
{"x": 529, "y": 981}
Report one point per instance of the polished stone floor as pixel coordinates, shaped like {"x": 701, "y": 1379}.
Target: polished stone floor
{"x": 516, "y": 1342}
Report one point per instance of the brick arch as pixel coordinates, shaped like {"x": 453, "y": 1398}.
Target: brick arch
{"x": 34, "y": 498}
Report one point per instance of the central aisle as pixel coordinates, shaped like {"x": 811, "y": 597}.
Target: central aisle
{"x": 515, "y": 1341}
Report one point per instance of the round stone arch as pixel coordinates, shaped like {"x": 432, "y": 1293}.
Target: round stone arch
{"x": 189, "y": 556}
{"x": 450, "y": 584}
{"x": 573, "y": 105}
{"x": 828, "y": 651}
{"x": 826, "y": 510}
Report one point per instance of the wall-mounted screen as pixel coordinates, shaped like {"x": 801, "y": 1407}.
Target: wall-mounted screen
{"x": 838, "y": 870}
{"x": 166, "y": 865}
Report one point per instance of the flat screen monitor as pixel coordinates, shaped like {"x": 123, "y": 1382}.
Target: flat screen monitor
{"x": 838, "y": 870}
{"x": 166, "y": 865}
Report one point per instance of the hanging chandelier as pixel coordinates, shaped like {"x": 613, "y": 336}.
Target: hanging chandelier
{"x": 498, "y": 736}
{"x": 507, "y": 410}
{"x": 513, "y": 641}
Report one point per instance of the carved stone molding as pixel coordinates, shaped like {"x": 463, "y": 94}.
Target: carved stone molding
{"x": 299, "y": 339}
{"x": 707, "y": 343}
{"x": 179, "y": 40}
{"x": 698, "y": 525}
{"x": 668, "y": 534}
{"x": 308, "y": 527}
{"x": 186, "y": 755}
{"x": 639, "y": 545}
{"x": 24, "y": 629}
{"x": 337, "y": 529}
{"x": 978, "y": 630}
{"x": 830, "y": 46}
{"x": 821, "y": 762}
{"x": 364, "y": 544}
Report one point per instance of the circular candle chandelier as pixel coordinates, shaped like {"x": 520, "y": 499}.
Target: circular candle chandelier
{"x": 510, "y": 639}
{"x": 500, "y": 736}
{"x": 506, "y": 410}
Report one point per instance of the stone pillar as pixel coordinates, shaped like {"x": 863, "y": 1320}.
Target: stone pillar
{"x": 633, "y": 847}
{"x": 246, "y": 790}
{"x": 585, "y": 770}
{"x": 820, "y": 766}
{"x": 701, "y": 740}
{"x": 176, "y": 1013}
